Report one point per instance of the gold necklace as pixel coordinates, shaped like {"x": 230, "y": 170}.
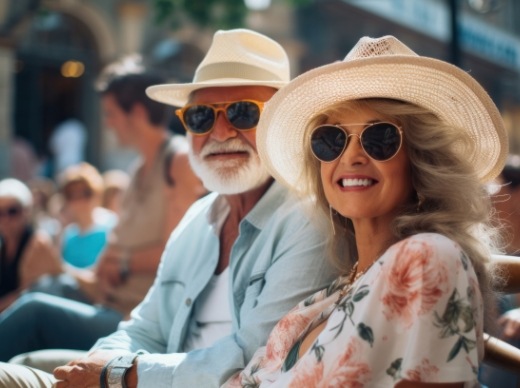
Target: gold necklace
{"x": 352, "y": 277}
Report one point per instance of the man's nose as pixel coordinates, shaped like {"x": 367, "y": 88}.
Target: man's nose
{"x": 223, "y": 130}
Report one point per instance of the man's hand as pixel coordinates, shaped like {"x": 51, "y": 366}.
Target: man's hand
{"x": 85, "y": 372}
{"x": 510, "y": 321}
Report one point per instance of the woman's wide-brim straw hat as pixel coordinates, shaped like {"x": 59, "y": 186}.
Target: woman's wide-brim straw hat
{"x": 380, "y": 68}
{"x": 238, "y": 57}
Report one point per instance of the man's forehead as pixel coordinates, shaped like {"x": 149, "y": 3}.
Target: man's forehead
{"x": 230, "y": 93}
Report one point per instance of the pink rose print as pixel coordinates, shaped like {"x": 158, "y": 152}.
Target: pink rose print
{"x": 424, "y": 372}
{"x": 348, "y": 369}
{"x": 235, "y": 381}
{"x": 284, "y": 335}
{"x": 310, "y": 375}
{"x": 415, "y": 282}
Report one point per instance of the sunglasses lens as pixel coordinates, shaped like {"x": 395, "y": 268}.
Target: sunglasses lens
{"x": 13, "y": 211}
{"x": 199, "y": 118}
{"x": 381, "y": 141}
{"x": 328, "y": 142}
{"x": 243, "y": 114}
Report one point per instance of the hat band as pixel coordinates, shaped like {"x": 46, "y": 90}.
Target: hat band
{"x": 234, "y": 70}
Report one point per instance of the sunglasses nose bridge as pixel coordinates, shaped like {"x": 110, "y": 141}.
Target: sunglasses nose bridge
{"x": 348, "y": 143}
{"x": 225, "y": 130}
{"x": 347, "y": 140}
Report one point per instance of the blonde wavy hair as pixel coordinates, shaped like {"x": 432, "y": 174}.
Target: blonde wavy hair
{"x": 450, "y": 199}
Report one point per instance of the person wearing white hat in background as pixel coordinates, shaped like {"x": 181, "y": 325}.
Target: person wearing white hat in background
{"x": 26, "y": 253}
{"x": 238, "y": 261}
{"x": 395, "y": 148}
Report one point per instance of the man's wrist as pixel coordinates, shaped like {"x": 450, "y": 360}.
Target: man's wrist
{"x": 116, "y": 370}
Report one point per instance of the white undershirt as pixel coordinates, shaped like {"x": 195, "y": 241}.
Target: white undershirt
{"x": 212, "y": 314}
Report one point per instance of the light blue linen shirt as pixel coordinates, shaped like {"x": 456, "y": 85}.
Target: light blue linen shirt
{"x": 277, "y": 260}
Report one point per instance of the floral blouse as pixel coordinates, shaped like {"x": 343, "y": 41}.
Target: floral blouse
{"x": 416, "y": 314}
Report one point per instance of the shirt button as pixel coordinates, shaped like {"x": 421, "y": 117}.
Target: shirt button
{"x": 188, "y": 302}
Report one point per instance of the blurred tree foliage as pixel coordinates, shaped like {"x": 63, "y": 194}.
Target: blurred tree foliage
{"x": 207, "y": 13}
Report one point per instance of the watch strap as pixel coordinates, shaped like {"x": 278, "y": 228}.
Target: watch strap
{"x": 117, "y": 368}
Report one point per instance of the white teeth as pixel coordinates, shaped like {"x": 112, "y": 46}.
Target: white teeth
{"x": 356, "y": 182}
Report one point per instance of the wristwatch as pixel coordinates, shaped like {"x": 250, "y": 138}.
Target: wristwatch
{"x": 117, "y": 370}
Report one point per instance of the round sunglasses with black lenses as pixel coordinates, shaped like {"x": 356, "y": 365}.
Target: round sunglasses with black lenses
{"x": 200, "y": 119}
{"x": 380, "y": 141}
{"x": 243, "y": 114}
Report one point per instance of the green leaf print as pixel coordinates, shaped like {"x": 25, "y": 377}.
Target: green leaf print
{"x": 394, "y": 369}
{"x": 361, "y": 293}
{"x": 292, "y": 356}
{"x": 250, "y": 381}
{"x": 318, "y": 351}
{"x": 366, "y": 333}
{"x": 347, "y": 306}
{"x": 455, "y": 349}
{"x": 457, "y": 319}
{"x": 464, "y": 260}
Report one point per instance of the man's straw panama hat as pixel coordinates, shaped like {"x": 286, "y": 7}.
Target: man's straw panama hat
{"x": 237, "y": 57}
{"x": 385, "y": 68}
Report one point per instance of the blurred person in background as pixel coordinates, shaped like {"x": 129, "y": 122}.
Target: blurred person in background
{"x": 86, "y": 236}
{"x": 67, "y": 143}
{"x": 25, "y": 253}
{"x": 83, "y": 238}
{"x": 505, "y": 193}
{"x": 162, "y": 187}
{"x": 23, "y": 160}
{"x": 43, "y": 190}
{"x": 116, "y": 182}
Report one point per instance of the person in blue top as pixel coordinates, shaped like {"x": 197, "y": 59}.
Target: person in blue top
{"x": 86, "y": 236}
{"x": 83, "y": 238}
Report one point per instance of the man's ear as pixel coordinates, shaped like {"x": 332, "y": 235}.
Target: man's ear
{"x": 138, "y": 112}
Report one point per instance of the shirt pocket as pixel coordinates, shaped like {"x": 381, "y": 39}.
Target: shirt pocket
{"x": 254, "y": 288}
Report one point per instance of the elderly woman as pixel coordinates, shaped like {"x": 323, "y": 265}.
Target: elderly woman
{"x": 394, "y": 148}
{"x": 25, "y": 254}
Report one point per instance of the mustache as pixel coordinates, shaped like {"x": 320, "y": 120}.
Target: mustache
{"x": 229, "y": 146}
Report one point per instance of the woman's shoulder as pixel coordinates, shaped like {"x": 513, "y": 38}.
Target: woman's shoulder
{"x": 426, "y": 250}
{"x": 434, "y": 243}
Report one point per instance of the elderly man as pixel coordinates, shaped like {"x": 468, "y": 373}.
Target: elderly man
{"x": 240, "y": 258}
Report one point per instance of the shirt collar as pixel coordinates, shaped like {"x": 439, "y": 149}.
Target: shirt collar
{"x": 259, "y": 214}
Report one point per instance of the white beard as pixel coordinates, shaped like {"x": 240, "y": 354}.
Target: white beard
{"x": 229, "y": 176}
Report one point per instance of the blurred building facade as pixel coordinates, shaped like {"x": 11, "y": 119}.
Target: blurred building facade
{"x": 51, "y": 52}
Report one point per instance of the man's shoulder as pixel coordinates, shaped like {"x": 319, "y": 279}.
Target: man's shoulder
{"x": 282, "y": 209}
{"x": 199, "y": 209}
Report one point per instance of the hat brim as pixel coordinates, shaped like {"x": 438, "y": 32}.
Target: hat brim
{"x": 440, "y": 87}
{"x": 178, "y": 94}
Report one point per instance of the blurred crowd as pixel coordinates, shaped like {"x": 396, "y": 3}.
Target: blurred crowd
{"x": 50, "y": 227}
